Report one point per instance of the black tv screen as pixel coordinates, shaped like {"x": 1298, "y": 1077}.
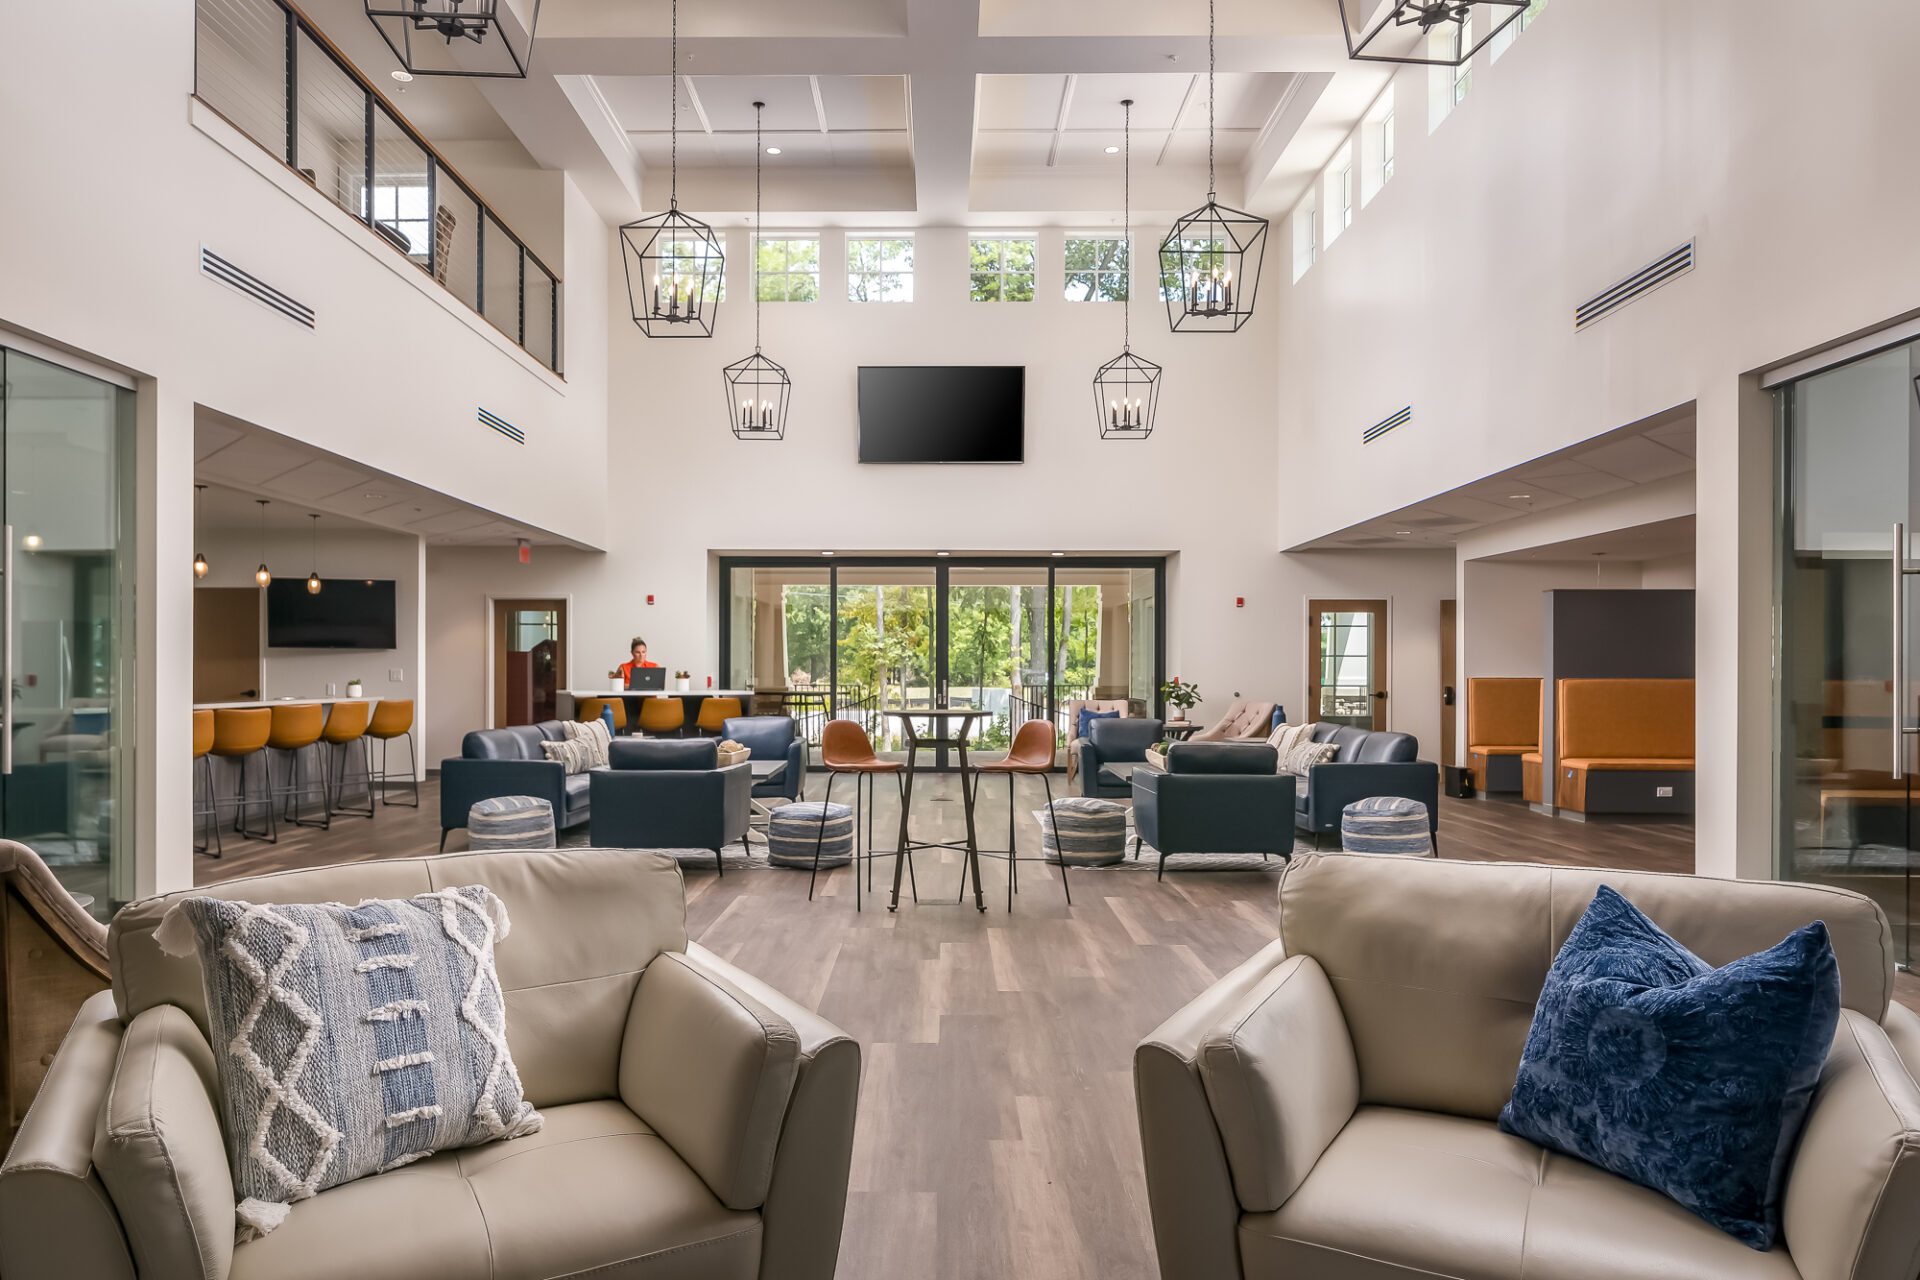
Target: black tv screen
{"x": 943, "y": 413}
{"x": 348, "y": 613}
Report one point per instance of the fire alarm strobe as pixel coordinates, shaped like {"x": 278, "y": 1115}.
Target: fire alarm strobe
{"x": 649, "y": 598}
{"x": 1239, "y": 602}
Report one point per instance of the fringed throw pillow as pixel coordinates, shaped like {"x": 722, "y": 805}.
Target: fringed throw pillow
{"x": 351, "y": 1040}
{"x": 595, "y": 734}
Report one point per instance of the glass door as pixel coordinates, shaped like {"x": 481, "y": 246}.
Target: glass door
{"x": 1347, "y": 667}
{"x": 65, "y": 788}
{"x": 884, "y": 654}
{"x": 529, "y": 661}
{"x": 996, "y": 644}
{"x": 1849, "y": 630}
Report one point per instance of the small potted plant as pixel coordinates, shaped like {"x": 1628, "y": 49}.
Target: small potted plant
{"x": 1180, "y": 699}
{"x": 355, "y": 689}
{"x": 683, "y": 680}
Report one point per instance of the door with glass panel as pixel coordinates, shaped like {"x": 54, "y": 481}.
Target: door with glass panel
{"x": 1347, "y": 662}
{"x": 529, "y": 660}
{"x": 996, "y": 648}
{"x": 65, "y": 779}
{"x": 884, "y": 654}
{"x": 1849, "y": 628}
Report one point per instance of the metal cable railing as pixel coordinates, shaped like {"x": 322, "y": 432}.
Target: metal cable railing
{"x": 272, "y": 75}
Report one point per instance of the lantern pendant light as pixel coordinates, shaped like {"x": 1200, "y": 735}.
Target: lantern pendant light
{"x": 492, "y": 41}
{"x": 757, "y": 388}
{"x": 673, "y": 261}
{"x": 260, "y": 575}
{"x": 200, "y": 565}
{"x": 313, "y": 579}
{"x": 1424, "y": 33}
{"x": 1210, "y": 260}
{"x": 1126, "y": 390}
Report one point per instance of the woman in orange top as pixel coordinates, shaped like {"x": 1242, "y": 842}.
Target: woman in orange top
{"x": 639, "y": 650}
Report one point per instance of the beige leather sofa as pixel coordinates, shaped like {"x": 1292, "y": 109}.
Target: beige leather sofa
{"x": 698, "y": 1124}
{"x": 1326, "y": 1111}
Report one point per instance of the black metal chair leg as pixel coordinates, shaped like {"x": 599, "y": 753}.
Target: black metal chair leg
{"x": 719, "y": 864}
{"x": 1055, "y": 821}
{"x": 906, "y": 850}
{"x": 444, "y": 833}
{"x": 819, "y": 838}
{"x": 1013, "y": 850}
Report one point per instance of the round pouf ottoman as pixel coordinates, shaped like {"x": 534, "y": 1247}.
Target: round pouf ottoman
{"x": 1093, "y": 832}
{"x": 795, "y": 830}
{"x": 1386, "y": 824}
{"x": 510, "y": 822}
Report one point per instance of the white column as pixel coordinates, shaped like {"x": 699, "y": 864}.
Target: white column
{"x": 163, "y": 693}
{"x": 1733, "y": 619}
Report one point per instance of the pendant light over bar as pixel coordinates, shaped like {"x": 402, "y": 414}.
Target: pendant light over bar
{"x": 1210, "y": 260}
{"x": 673, "y": 261}
{"x": 313, "y": 579}
{"x": 757, "y": 388}
{"x": 261, "y": 577}
{"x": 481, "y": 39}
{"x": 1424, "y": 33}
{"x": 200, "y": 565}
{"x": 1126, "y": 390}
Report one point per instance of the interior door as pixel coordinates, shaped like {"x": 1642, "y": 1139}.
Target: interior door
{"x": 1850, "y": 632}
{"x": 1347, "y": 662}
{"x": 65, "y": 788}
{"x": 226, "y": 644}
{"x": 1449, "y": 678}
{"x": 529, "y": 660}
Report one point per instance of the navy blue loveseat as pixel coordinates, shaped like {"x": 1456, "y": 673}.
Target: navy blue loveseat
{"x": 510, "y": 762}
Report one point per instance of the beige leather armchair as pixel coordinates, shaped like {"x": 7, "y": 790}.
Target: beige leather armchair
{"x": 698, "y": 1123}
{"x": 1326, "y": 1111}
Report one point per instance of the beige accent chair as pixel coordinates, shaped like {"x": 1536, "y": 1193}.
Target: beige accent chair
{"x": 1243, "y": 722}
{"x": 55, "y": 958}
{"x": 1326, "y": 1110}
{"x": 1071, "y": 710}
{"x": 698, "y": 1123}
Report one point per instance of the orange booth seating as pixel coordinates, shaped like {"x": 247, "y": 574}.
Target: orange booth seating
{"x": 1624, "y": 746}
{"x": 1503, "y": 725}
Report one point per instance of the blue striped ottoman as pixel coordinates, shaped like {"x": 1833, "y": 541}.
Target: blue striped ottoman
{"x": 1386, "y": 824}
{"x": 1093, "y": 831}
{"x": 794, "y": 830}
{"x": 510, "y": 822}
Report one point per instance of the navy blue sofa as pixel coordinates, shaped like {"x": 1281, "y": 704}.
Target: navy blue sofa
{"x": 509, "y": 762}
{"x": 1368, "y": 763}
{"x": 1119, "y": 741}
{"x": 772, "y": 738}
{"x": 1215, "y": 797}
{"x": 669, "y": 793}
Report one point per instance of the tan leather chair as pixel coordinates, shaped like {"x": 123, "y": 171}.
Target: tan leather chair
{"x": 1032, "y": 755}
{"x": 55, "y": 958}
{"x": 1243, "y": 722}
{"x": 845, "y": 748}
{"x": 697, "y": 1122}
{"x": 1327, "y": 1109}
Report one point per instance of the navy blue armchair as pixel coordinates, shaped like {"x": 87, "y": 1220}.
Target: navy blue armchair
{"x": 1368, "y": 763}
{"x": 669, "y": 793}
{"x": 773, "y": 738}
{"x": 510, "y": 762}
{"x": 1122, "y": 741}
{"x": 1215, "y": 797}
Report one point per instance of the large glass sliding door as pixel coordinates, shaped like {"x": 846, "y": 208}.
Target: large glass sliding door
{"x": 1849, "y": 630}
{"x": 67, "y": 618}
{"x": 1018, "y": 638}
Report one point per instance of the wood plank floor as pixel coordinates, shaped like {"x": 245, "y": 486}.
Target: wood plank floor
{"x": 997, "y": 1133}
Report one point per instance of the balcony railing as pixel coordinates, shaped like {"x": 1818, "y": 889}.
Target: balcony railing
{"x": 272, "y": 75}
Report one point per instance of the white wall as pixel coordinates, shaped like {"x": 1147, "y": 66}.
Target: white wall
{"x": 1668, "y": 572}
{"x": 686, "y": 489}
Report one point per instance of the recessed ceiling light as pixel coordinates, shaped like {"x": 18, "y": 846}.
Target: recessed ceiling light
{"x": 1519, "y": 497}
{"x": 403, "y": 77}
{"x": 826, "y": 553}
{"x": 943, "y": 554}
{"x": 1402, "y": 533}
{"x": 373, "y": 496}
{"x": 1057, "y": 554}
{"x": 1113, "y": 151}
{"x": 773, "y": 151}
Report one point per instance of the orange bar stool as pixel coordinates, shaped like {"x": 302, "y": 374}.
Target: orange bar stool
{"x": 587, "y": 710}
{"x": 846, "y": 749}
{"x": 296, "y": 727}
{"x": 1031, "y": 755}
{"x": 240, "y": 733}
{"x": 346, "y": 728}
{"x": 714, "y": 714}
{"x": 203, "y": 756}
{"x": 393, "y": 718}
{"x": 660, "y": 716}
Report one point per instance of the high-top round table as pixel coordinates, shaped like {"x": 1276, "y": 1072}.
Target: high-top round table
{"x": 947, "y": 727}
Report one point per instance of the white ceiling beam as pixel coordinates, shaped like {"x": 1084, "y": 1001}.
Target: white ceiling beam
{"x": 941, "y": 105}
{"x": 699, "y": 108}
{"x": 1060, "y": 118}
{"x": 1179, "y": 120}
{"x": 819, "y": 103}
{"x": 565, "y": 123}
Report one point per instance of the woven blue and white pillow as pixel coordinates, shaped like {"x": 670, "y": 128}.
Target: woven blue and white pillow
{"x": 351, "y": 1040}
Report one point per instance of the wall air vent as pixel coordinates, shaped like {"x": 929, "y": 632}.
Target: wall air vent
{"x": 500, "y": 424}
{"x": 215, "y": 267}
{"x": 1667, "y": 267}
{"x": 1386, "y": 424}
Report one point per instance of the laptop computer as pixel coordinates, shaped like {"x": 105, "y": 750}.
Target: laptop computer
{"x": 651, "y": 679}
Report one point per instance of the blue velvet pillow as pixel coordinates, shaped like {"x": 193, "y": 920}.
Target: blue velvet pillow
{"x": 1080, "y": 730}
{"x": 1647, "y": 1061}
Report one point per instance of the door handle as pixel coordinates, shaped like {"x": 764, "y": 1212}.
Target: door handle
{"x": 1380, "y": 694}
{"x": 1446, "y": 696}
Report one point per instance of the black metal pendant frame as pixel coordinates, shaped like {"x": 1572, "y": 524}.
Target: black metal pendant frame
{"x": 1210, "y": 268}
{"x": 757, "y": 395}
{"x": 1401, "y": 30}
{"x": 674, "y": 265}
{"x": 423, "y": 35}
{"x": 1126, "y": 396}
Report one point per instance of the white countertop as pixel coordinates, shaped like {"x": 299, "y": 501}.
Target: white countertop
{"x": 326, "y": 700}
{"x": 658, "y": 693}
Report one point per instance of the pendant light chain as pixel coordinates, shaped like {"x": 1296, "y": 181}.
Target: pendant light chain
{"x": 753, "y": 240}
{"x": 1126, "y": 223}
{"x": 1212, "y": 186}
{"x": 673, "y": 117}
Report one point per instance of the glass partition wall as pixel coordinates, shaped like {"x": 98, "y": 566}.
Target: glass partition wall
{"x": 1018, "y": 638}
{"x": 1847, "y": 631}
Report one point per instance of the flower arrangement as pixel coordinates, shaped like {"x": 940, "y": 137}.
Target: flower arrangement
{"x": 1181, "y": 696}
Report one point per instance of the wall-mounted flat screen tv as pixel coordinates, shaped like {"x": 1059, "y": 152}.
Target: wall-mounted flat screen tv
{"x": 943, "y": 413}
{"x": 348, "y": 613}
